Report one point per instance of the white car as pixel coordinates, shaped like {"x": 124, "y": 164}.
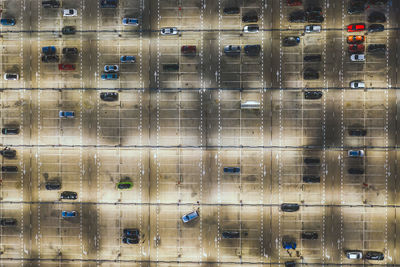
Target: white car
{"x": 312, "y": 28}
{"x": 252, "y": 28}
{"x": 357, "y": 84}
{"x": 11, "y": 76}
{"x": 70, "y": 12}
{"x": 169, "y": 31}
{"x": 354, "y": 254}
{"x": 356, "y": 153}
{"x": 357, "y": 57}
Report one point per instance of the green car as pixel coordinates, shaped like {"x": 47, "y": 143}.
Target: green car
{"x": 124, "y": 185}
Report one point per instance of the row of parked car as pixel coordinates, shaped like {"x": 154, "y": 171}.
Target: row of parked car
{"x": 356, "y": 47}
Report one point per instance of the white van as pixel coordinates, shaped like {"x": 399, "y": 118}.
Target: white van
{"x": 250, "y": 104}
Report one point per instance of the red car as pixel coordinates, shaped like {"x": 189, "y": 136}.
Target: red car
{"x": 188, "y": 49}
{"x": 356, "y": 27}
{"x": 294, "y": 2}
{"x": 356, "y": 48}
{"x": 66, "y": 67}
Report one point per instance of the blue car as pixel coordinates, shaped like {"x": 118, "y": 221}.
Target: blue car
{"x": 289, "y": 245}
{"x": 69, "y": 214}
{"x": 128, "y": 59}
{"x": 109, "y": 76}
{"x": 190, "y": 216}
{"x": 66, "y": 114}
{"x": 7, "y": 22}
{"x": 49, "y": 50}
{"x": 232, "y": 169}
{"x": 130, "y": 21}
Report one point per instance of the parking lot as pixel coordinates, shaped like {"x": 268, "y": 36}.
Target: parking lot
{"x": 223, "y": 134}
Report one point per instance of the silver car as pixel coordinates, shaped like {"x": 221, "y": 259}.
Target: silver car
{"x": 252, "y": 28}
{"x": 357, "y": 57}
{"x": 354, "y": 254}
{"x": 232, "y": 49}
{"x": 357, "y": 84}
{"x": 169, "y": 31}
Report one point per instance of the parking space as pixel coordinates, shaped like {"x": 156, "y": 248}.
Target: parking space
{"x": 62, "y": 28}
{"x": 112, "y": 220}
{"x": 179, "y": 118}
{"x": 177, "y": 239}
{"x": 59, "y": 117}
{"x": 300, "y": 119}
{"x": 118, "y": 121}
{"x": 61, "y": 235}
{"x": 12, "y": 117}
{"x": 244, "y": 68}
{"x": 10, "y": 235}
{"x": 362, "y": 230}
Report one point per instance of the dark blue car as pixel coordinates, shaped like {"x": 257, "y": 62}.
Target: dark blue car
{"x": 232, "y": 169}
{"x": 108, "y": 3}
{"x": 7, "y": 22}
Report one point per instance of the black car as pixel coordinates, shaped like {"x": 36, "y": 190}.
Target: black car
{"x": 310, "y": 74}
{"x": 50, "y": 58}
{"x": 70, "y": 51}
{"x": 9, "y": 168}
{"x": 297, "y": 16}
{"x": 290, "y": 207}
{"x": 312, "y": 58}
{"x": 53, "y": 185}
{"x": 8, "y": 222}
{"x": 376, "y": 48}
{"x": 252, "y": 50}
{"x": 69, "y": 195}
{"x": 315, "y": 18}
{"x": 290, "y": 264}
{"x": 109, "y": 96}
{"x": 374, "y": 255}
{"x": 313, "y": 10}
{"x": 357, "y": 132}
{"x": 10, "y": 131}
{"x": 311, "y": 179}
{"x": 312, "y": 94}
{"x": 376, "y": 17}
{"x": 68, "y": 30}
{"x": 51, "y": 4}
{"x": 251, "y": 17}
{"x": 108, "y": 3}
{"x": 8, "y": 153}
{"x": 231, "y": 10}
{"x": 355, "y": 171}
{"x": 291, "y": 41}
{"x": 311, "y": 160}
{"x": 377, "y": 2}
{"x": 130, "y": 240}
{"x": 356, "y": 7}
{"x": 376, "y": 28}
{"x": 230, "y": 234}
{"x": 171, "y": 67}
{"x": 309, "y": 235}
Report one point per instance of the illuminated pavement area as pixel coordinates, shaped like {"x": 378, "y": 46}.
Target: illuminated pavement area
{"x": 172, "y": 133}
